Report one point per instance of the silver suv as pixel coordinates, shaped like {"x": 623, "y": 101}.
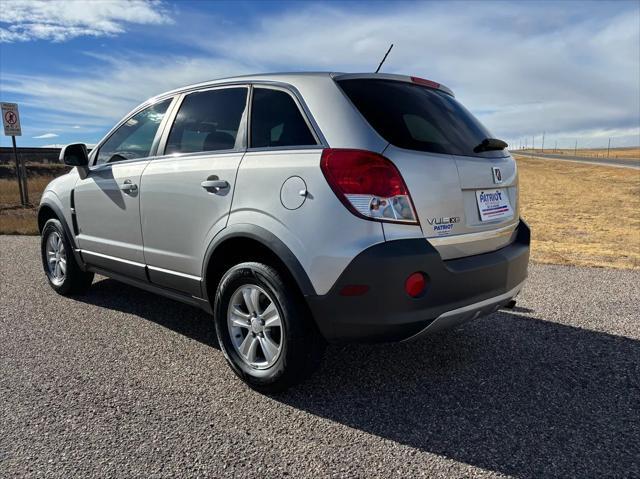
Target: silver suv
{"x": 296, "y": 209}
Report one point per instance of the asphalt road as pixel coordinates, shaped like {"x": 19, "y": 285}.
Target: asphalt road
{"x": 627, "y": 163}
{"x": 121, "y": 383}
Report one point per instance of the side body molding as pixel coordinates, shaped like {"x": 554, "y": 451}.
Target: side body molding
{"x": 268, "y": 239}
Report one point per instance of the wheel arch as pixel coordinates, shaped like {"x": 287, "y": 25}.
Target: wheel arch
{"x": 45, "y": 213}
{"x": 247, "y": 242}
{"x": 49, "y": 210}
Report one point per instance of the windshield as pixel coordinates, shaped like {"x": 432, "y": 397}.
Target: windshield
{"x": 418, "y": 118}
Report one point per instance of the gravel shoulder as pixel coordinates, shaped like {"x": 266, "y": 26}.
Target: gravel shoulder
{"x": 122, "y": 383}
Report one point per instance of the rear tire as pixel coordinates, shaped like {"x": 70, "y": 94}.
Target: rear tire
{"x": 59, "y": 263}
{"x": 264, "y": 328}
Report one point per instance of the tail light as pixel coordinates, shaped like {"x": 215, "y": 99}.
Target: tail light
{"x": 368, "y": 184}
{"x": 425, "y": 82}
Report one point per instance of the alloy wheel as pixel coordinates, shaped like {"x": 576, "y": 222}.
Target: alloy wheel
{"x": 255, "y": 326}
{"x": 56, "y": 258}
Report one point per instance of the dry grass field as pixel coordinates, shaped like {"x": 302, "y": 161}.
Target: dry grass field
{"x": 13, "y": 218}
{"x": 632, "y": 153}
{"x": 579, "y": 214}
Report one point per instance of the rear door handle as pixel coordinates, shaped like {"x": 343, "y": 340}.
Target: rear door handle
{"x": 214, "y": 184}
{"x": 129, "y": 187}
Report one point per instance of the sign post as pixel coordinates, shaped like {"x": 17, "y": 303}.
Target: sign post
{"x": 11, "y": 123}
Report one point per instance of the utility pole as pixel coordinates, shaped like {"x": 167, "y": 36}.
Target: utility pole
{"x": 555, "y": 150}
{"x": 22, "y": 175}
{"x": 575, "y": 149}
{"x": 543, "y": 141}
{"x": 533, "y": 145}
{"x": 609, "y": 147}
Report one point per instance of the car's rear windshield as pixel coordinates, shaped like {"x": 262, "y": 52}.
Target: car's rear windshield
{"x": 417, "y": 118}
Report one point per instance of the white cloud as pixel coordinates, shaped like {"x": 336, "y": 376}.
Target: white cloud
{"x": 520, "y": 69}
{"x": 95, "y": 99}
{"x": 60, "y": 20}
{"x": 45, "y": 135}
{"x": 114, "y": 87}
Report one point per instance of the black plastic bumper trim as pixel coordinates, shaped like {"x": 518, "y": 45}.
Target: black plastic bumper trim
{"x": 387, "y": 313}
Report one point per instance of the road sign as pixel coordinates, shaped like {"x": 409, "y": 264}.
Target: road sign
{"x": 11, "y": 123}
{"x": 11, "y": 119}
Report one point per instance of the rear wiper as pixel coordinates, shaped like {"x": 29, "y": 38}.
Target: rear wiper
{"x": 490, "y": 144}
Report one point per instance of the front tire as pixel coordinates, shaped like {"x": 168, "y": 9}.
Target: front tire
{"x": 264, "y": 328}
{"x": 59, "y": 263}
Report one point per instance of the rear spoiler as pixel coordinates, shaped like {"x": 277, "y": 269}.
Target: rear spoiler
{"x": 391, "y": 76}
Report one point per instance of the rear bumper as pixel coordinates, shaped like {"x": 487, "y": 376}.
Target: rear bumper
{"x": 458, "y": 290}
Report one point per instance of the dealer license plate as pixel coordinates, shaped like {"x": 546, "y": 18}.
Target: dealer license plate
{"x": 493, "y": 204}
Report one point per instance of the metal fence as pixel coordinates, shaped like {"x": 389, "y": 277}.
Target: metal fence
{"x": 30, "y": 154}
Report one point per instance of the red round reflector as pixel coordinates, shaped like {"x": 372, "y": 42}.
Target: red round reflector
{"x": 415, "y": 284}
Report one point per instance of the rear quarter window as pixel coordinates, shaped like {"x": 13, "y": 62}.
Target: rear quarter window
{"x": 418, "y": 118}
{"x": 276, "y": 121}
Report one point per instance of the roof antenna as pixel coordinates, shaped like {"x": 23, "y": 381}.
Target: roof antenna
{"x": 384, "y": 58}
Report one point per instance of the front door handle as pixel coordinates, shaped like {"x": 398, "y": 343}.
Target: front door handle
{"x": 129, "y": 187}
{"x": 214, "y": 184}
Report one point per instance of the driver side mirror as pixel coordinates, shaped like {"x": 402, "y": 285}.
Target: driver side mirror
{"x": 75, "y": 154}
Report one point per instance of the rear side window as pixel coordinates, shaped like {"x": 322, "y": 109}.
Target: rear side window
{"x": 417, "y": 118}
{"x": 276, "y": 121}
{"x": 135, "y": 136}
{"x": 207, "y": 121}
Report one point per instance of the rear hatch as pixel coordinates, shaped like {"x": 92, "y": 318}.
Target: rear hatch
{"x": 465, "y": 192}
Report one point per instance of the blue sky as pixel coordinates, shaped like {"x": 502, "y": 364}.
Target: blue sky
{"x": 570, "y": 69}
